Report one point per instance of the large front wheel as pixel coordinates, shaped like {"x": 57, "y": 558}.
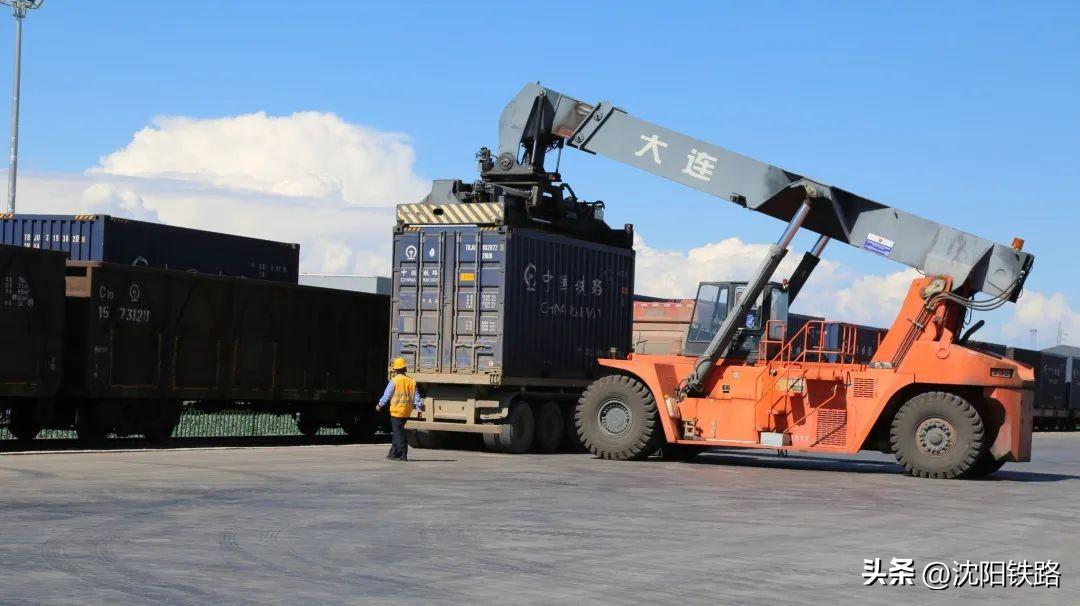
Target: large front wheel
{"x": 938, "y": 435}
{"x": 616, "y": 418}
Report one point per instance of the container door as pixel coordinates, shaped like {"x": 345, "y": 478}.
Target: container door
{"x": 430, "y": 267}
{"x": 418, "y": 262}
{"x": 476, "y": 281}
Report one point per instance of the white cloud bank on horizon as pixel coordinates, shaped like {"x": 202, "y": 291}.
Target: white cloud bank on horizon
{"x": 312, "y": 178}
{"x": 306, "y": 154}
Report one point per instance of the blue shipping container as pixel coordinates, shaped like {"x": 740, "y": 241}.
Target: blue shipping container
{"x": 129, "y": 242}
{"x": 508, "y": 305}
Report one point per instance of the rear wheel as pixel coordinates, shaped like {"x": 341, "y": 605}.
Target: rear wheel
{"x": 423, "y": 438}
{"x": 616, "y": 418}
{"x": 517, "y": 433}
{"x": 549, "y": 427}
{"x": 938, "y": 435}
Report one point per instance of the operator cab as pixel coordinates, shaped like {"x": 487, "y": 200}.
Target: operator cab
{"x": 715, "y": 300}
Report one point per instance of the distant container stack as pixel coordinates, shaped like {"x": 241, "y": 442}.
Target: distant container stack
{"x": 130, "y": 242}
{"x": 378, "y": 285}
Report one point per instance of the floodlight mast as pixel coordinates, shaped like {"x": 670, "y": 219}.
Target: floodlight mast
{"x": 19, "y": 9}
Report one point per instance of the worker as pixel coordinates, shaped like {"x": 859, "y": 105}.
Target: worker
{"x": 402, "y": 396}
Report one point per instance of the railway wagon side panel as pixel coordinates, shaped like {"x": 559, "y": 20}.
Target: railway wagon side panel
{"x": 31, "y": 322}
{"x": 158, "y": 334}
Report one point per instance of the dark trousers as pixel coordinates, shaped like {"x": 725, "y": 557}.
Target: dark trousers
{"x": 399, "y": 447}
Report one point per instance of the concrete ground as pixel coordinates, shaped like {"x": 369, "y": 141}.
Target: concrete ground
{"x": 339, "y": 524}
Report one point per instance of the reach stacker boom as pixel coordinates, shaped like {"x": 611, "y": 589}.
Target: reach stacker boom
{"x": 943, "y": 408}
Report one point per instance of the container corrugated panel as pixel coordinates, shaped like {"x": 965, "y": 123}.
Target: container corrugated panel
{"x": 130, "y": 242}
{"x": 31, "y": 321}
{"x": 152, "y": 333}
{"x": 487, "y": 305}
{"x": 1051, "y": 390}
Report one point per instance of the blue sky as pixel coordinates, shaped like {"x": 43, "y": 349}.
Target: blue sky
{"x": 966, "y": 113}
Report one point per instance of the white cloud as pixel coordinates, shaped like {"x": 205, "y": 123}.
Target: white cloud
{"x": 306, "y": 154}
{"x": 873, "y": 299}
{"x": 118, "y": 200}
{"x": 309, "y": 178}
{"x": 1045, "y": 314}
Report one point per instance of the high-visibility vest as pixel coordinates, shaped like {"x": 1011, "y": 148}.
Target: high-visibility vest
{"x": 401, "y": 404}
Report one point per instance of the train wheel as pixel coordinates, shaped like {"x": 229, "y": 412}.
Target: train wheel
{"x": 306, "y": 425}
{"x": 359, "y": 428}
{"x": 549, "y": 427}
{"x": 938, "y": 435}
{"x": 88, "y": 424}
{"x": 157, "y": 429}
{"x": 616, "y": 418}
{"x": 24, "y": 424}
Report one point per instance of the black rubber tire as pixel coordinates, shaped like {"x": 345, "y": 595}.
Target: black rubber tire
{"x": 491, "y": 442}
{"x": 571, "y": 440}
{"x": 24, "y": 425}
{"x": 430, "y": 439}
{"x": 680, "y": 452}
{"x": 643, "y": 433}
{"x": 518, "y": 431}
{"x": 967, "y": 445}
{"x": 549, "y": 428}
{"x": 985, "y": 466}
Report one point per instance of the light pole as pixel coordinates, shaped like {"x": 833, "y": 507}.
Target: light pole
{"x": 19, "y": 8}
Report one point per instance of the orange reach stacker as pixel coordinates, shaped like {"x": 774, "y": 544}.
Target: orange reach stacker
{"x": 945, "y": 409}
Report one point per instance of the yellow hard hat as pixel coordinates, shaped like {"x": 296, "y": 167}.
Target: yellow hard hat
{"x": 399, "y": 364}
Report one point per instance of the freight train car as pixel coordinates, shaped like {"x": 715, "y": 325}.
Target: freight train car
{"x": 139, "y": 342}
{"x": 31, "y": 333}
{"x": 130, "y": 242}
{"x": 1051, "y": 387}
{"x": 501, "y": 320}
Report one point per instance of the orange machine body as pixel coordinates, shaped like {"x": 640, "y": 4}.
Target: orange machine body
{"x": 819, "y": 400}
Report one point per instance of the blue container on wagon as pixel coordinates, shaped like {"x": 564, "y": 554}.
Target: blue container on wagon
{"x": 129, "y": 242}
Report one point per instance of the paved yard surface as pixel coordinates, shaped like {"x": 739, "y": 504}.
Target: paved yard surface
{"x": 339, "y": 524}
